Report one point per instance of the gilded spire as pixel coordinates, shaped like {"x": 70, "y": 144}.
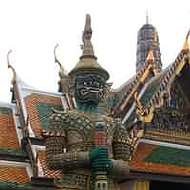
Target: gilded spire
{"x": 86, "y": 38}
{"x": 186, "y": 43}
{"x": 11, "y": 67}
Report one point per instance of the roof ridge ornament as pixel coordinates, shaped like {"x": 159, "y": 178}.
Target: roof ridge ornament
{"x": 186, "y": 43}
{"x": 87, "y": 46}
{"x": 62, "y": 72}
{"x": 144, "y": 114}
{"x": 13, "y": 81}
{"x": 55, "y": 55}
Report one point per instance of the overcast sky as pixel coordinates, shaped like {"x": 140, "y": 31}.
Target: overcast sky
{"x": 31, "y": 28}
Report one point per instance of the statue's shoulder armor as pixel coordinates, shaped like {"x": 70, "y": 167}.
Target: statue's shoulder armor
{"x": 70, "y": 119}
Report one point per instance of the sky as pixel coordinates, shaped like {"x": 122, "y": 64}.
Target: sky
{"x": 32, "y": 28}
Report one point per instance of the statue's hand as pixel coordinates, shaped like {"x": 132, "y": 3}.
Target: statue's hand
{"x": 99, "y": 159}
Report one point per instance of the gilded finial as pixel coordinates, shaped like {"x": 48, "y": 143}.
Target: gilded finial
{"x": 11, "y": 67}
{"x": 62, "y": 70}
{"x": 150, "y": 56}
{"x": 186, "y": 43}
{"x": 86, "y": 38}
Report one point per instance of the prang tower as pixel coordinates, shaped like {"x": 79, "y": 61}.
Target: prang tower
{"x": 148, "y": 40}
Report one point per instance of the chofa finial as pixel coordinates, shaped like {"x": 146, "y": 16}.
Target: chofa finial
{"x": 62, "y": 72}
{"x": 11, "y": 67}
{"x": 186, "y": 43}
{"x": 86, "y": 38}
{"x": 55, "y": 56}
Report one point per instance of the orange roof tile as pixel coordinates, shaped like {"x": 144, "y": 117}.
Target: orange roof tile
{"x": 48, "y": 172}
{"x": 140, "y": 163}
{"x": 32, "y": 101}
{"x": 8, "y": 136}
{"x": 13, "y": 174}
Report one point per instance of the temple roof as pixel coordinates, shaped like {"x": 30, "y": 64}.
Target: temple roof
{"x": 14, "y": 174}
{"x": 161, "y": 158}
{"x": 14, "y": 161}
{"x": 39, "y": 108}
{"x": 151, "y": 92}
{"x": 44, "y": 171}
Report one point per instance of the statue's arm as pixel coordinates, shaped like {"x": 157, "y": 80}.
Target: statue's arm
{"x": 120, "y": 168}
{"x": 69, "y": 160}
{"x": 120, "y": 145}
{"x": 58, "y": 157}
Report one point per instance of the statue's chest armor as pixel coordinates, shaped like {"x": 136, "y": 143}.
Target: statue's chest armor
{"x": 85, "y": 132}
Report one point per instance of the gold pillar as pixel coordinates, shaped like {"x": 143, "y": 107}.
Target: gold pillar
{"x": 141, "y": 185}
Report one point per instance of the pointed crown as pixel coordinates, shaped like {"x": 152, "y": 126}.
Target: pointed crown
{"x": 88, "y": 61}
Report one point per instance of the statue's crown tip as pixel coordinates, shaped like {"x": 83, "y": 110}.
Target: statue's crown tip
{"x": 88, "y": 21}
{"x": 87, "y": 47}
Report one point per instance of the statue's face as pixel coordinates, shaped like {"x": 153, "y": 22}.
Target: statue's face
{"x": 89, "y": 88}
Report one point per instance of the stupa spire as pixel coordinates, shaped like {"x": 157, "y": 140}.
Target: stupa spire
{"x": 148, "y": 39}
{"x": 87, "y": 47}
{"x": 147, "y": 17}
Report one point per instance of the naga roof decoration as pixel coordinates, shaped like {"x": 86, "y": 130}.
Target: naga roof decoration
{"x": 161, "y": 83}
{"x": 132, "y": 87}
{"x": 155, "y": 88}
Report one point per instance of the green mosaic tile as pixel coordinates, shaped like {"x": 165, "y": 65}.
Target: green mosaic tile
{"x": 168, "y": 155}
{"x": 13, "y": 151}
{"x": 6, "y": 111}
{"x": 14, "y": 185}
{"x": 45, "y": 111}
{"x": 153, "y": 87}
{"x": 17, "y": 186}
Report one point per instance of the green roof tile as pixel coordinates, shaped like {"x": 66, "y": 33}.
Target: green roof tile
{"x": 169, "y": 155}
{"x": 6, "y": 111}
{"x": 45, "y": 110}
